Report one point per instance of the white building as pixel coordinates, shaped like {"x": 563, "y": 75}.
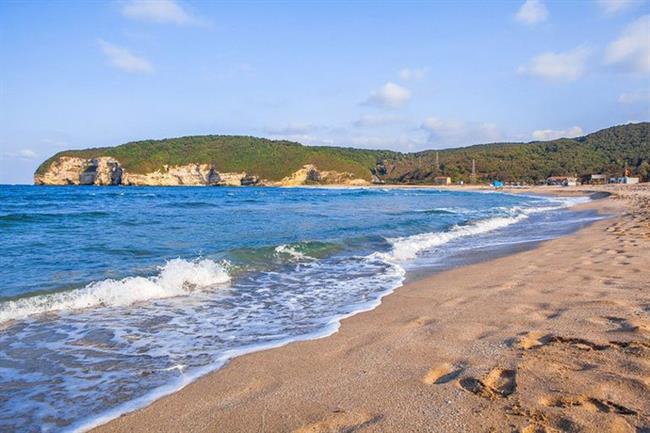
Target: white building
{"x": 625, "y": 179}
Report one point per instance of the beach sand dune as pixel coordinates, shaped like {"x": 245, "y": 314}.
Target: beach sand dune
{"x": 555, "y": 339}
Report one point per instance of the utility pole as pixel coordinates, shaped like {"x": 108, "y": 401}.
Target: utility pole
{"x": 437, "y": 162}
{"x": 472, "y": 178}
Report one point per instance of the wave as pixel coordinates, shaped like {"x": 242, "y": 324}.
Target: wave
{"x": 187, "y": 204}
{"x": 177, "y": 277}
{"x": 407, "y": 248}
{"x": 441, "y": 210}
{"x": 42, "y": 217}
{"x": 292, "y": 252}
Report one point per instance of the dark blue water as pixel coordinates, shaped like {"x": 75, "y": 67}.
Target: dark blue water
{"x": 110, "y": 297}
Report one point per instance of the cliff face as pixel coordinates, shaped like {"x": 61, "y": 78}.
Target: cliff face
{"x": 78, "y": 171}
{"x": 63, "y": 171}
{"x": 108, "y": 171}
{"x": 310, "y": 175}
{"x": 191, "y": 174}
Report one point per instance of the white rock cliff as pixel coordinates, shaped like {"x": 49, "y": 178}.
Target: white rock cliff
{"x": 67, "y": 170}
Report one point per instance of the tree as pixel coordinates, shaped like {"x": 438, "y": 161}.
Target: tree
{"x": 644, "y": 171}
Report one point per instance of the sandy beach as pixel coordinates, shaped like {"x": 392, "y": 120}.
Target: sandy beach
{"x": 552, "y": 339}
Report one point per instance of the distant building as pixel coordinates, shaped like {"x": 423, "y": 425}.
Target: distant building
{"x": 442, "y": 180}
{"x": 562, "y": 181}
{"x": 625, "y": 179}
{"x": 597, "y": 179}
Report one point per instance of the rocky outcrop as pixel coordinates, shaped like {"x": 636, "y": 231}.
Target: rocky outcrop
{"x": 101, "y": 171}
{"x": 310, "y": 175}
{"x": 175, "y": 175}
{"x": 249, "y": 180}
{"x": 231, "y": 179}
{"x": 67, "y": 170}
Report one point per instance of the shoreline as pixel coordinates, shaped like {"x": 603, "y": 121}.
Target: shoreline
{"x": 134, "y": 419}
{"x": 334, "y": 324}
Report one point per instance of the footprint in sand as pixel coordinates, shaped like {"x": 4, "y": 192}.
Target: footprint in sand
{"x": 499, "y": 383}
{"x": 538, "y": 428}
{"x": 590, "y": 404}
{"x": 532, "y": 340}
{"x": 442, "y": 374}
{"x": 629, "y": 325}
{"x": 579, "y": 343}
{"x": 339, "y": 422}
{"x": 638, "y": 348}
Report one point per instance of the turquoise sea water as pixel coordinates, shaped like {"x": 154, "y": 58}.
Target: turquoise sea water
{"x": 110, "y": 297}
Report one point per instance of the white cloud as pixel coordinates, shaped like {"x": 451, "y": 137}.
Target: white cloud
{"x": 123, "y": 59}
{"x": 402, "y": 142}
{"x": 634, "y": 97}
{"x": 159, "y": 11}
{"x": 27, "y": 153}
{"x": 632, "y": 49}
{"x": 389, "y": 95}
{"x": 413, "y": 74}
{"x": 304, "y": 133}
{"x": 611, "y": 7}
{"x": 449, "y": 132}
{"x": 377, "y": 120}
{"x": 552, "y": 134}
{"x": 22, "y": 154}
{"x": 532, "y": 12}
{"x": 293, "y": 129}
{"x": 564, "y": 66}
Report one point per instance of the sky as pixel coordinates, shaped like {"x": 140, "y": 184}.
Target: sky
{"x": 400, "y": 75}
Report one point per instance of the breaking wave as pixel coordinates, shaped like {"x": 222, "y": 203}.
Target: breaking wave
{"x": 177, "y": 277}
{"x": 408, "y": 247}
{"x": 292, "y": 252}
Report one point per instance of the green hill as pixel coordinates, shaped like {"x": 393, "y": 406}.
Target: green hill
{"x": 606, "y": 151}
{"x": 269, "y": 159}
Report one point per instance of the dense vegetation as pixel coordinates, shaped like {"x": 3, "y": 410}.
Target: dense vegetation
{"x": 268, "y": 159}
{"x": 607, "y": 151}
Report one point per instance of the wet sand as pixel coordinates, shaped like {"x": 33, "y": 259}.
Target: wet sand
{"x": 552, "y": 339}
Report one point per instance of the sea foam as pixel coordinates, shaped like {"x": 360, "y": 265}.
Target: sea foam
{"x": 177, "y": 277}
{"x": 408, "y": 247}
{"x": 291, "y": 251}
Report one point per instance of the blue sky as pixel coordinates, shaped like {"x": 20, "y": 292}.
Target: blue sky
{"x": 403, "y": 76}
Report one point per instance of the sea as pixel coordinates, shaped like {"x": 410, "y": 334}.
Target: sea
{"x": 111, "y": 297}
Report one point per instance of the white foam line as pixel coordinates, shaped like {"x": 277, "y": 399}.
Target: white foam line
{"x": 177, "y": 277}
{"x": 408, "y": 247}
{"x": 332, "y": 326}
